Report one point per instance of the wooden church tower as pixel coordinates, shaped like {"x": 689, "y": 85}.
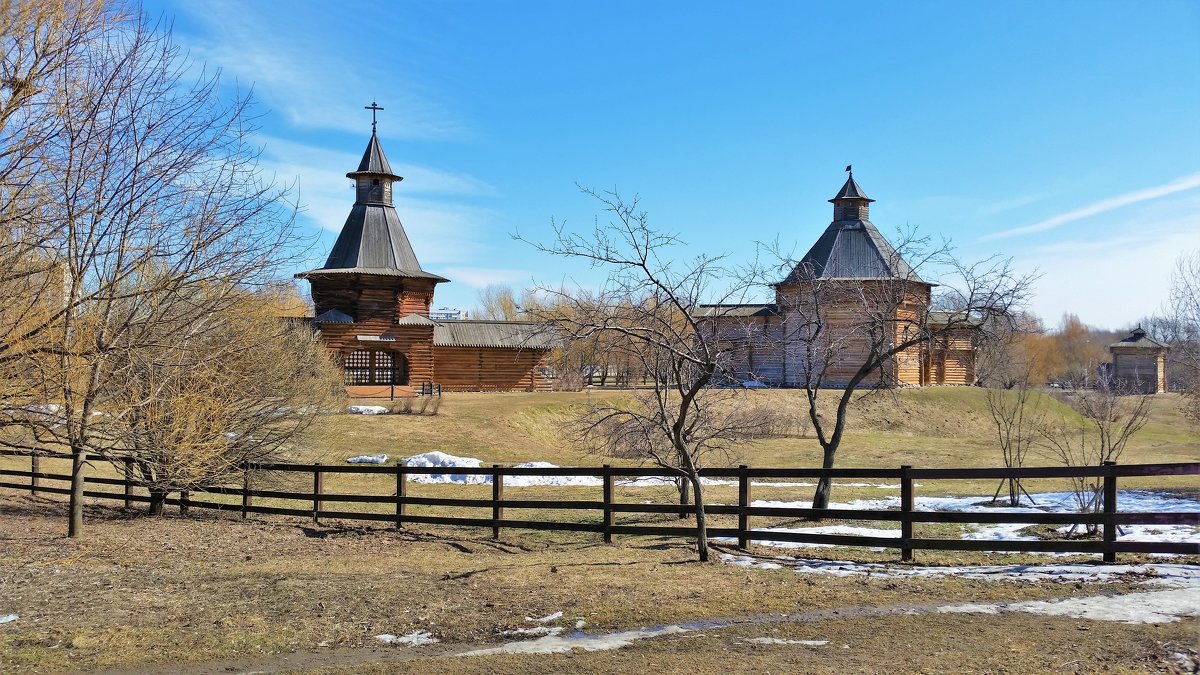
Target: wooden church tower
{"x": 851, "y": 283}
{"x": 371, "y": 304}
{"x": 371, "y": 297}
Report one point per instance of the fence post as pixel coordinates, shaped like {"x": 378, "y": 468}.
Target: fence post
{"x": 906, "y": 508}
{"x": 184, "y": 496}
{"x": 497, "y": 495}
{"x": 128, "y": 482}
{"x": 608, "y": 502}
{"x": 35, "y": 467}
{"x": 1110, "y": 511}
{"x": 246, "y": 501}
{"x": 318, "y": 488}
{"x": 743, "y": 504}
{"x": 401, "y": 494}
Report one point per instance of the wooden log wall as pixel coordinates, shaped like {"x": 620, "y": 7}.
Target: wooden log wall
{"x": 490, "y": 369}
{"x": 372, "y": 297}
{"x": 414, "y": 342}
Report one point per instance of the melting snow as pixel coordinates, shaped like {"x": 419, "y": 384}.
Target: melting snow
{"x": 368, "y": 459}
{"x": 1153, "y": 607}
{"x": 367, "y": 410}
{"x": 8, "y": 618}
{"x": 536, "y": 630}
{"x": 546, "y": 619}
{"x": 781, "y": 641}
{"x": 413, "y": 639}
{"x": 558, "y": 644}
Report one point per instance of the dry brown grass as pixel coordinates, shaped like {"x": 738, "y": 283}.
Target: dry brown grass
{"x": 139, "y": 591}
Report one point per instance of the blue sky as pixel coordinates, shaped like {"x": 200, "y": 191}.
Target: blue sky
{"x": 1065, "y": 135}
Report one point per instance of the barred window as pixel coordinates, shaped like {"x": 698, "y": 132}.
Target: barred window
{"x": 367, "y": 367}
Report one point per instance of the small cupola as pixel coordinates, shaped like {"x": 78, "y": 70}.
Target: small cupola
{"x": 851, "y": 203}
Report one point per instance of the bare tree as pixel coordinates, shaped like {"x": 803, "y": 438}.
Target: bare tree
{"x": 1185, "y": 316}
{"x": 1110, "y": 416}
{"x": 843, "y": 335}
{"x": 235, "y": 386}
{"x": 647, "y": 312}
{"x": 151, "y": 215}
{"x": 1018, "y": 415}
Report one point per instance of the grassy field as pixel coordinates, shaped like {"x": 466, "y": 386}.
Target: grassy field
{"x": 214, "y": 593}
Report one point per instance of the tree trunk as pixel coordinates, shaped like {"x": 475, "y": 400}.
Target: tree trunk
{"x": 683, "y": 495}
{"x": 701, "y": 521}
{"x": 825, "y": 485}
{"x": 157, "y": 498}
{"x": 75, "y": 507}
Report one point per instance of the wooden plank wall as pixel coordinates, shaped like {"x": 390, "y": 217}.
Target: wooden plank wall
{"x": 490, "y": 369}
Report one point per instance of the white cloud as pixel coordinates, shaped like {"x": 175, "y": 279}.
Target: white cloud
{"x": 1189, "y": 182}
{"x": 308, "y": 79}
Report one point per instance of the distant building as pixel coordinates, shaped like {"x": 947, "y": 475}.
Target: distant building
{"x": 372, "y": 307}
{"x": 446, "y": 314}
{"x": 1139, "y": 363}
{"x": 849, "y": 261}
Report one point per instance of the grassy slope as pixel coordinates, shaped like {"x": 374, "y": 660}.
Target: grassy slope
{"x": 930, "y": 427}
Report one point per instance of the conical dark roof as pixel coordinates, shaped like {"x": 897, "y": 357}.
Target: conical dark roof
{"x": 374, "y": 161}
{"x": 852, "y": 249}
{"x": 372, "y": 240}
{"x": 851, "y": 190}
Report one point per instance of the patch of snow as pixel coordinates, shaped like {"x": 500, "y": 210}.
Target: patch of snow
{"x": 413, "y": 639}
{"x": 747, "y": 561}
{"x": 579, "y": 624}
{"x": 8, "y": 618}
{"x": 1174, "y": 575}
{"x": 442, "y": 459}
{"x": 536, "y": 630}
{"x": 546, "y": 619}
{"x": 781, "y": 641}
{"x": 558, "y": 644}
{"x": 367, "y": 410}
{"x": 821, "y": 529}
{"x": 368, "y": 459}
{"x": 1153, "y": 607}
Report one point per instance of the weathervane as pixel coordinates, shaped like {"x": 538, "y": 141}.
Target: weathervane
{"x": 849, "y": 168}
{"x": 374, "y": 107}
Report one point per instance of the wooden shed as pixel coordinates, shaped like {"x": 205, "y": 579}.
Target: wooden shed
{"x": 1139, "y": 363}
{"x": 850, "y": 273}
{"x": 372, "y": 300}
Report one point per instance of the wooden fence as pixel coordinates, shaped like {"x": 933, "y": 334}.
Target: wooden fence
{"x": 316, "y": 504}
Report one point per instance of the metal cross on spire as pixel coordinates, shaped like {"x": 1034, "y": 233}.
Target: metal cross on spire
{"x": 374, "y": 108}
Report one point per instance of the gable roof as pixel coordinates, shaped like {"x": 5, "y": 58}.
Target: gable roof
{"x": 502, "y": 334}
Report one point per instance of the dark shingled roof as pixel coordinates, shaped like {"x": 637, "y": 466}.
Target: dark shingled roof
{"x": 851, "y": 190}
{"x": 372, "y": 240}
{"x": 852, "y": 249}
{"x": 374, "y": 161}
{"x": 1138, "y": 338}
{"x": 715, "y": 311}
{"x": 503, "y": 334}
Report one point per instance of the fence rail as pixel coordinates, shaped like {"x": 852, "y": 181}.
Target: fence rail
{"x": 316, "y": 503}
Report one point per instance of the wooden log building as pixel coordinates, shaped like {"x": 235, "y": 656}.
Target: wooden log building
{"x": 817, "y": 322}
{"x": 1139, "y": 363}
{"x": 372, "y": 303}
